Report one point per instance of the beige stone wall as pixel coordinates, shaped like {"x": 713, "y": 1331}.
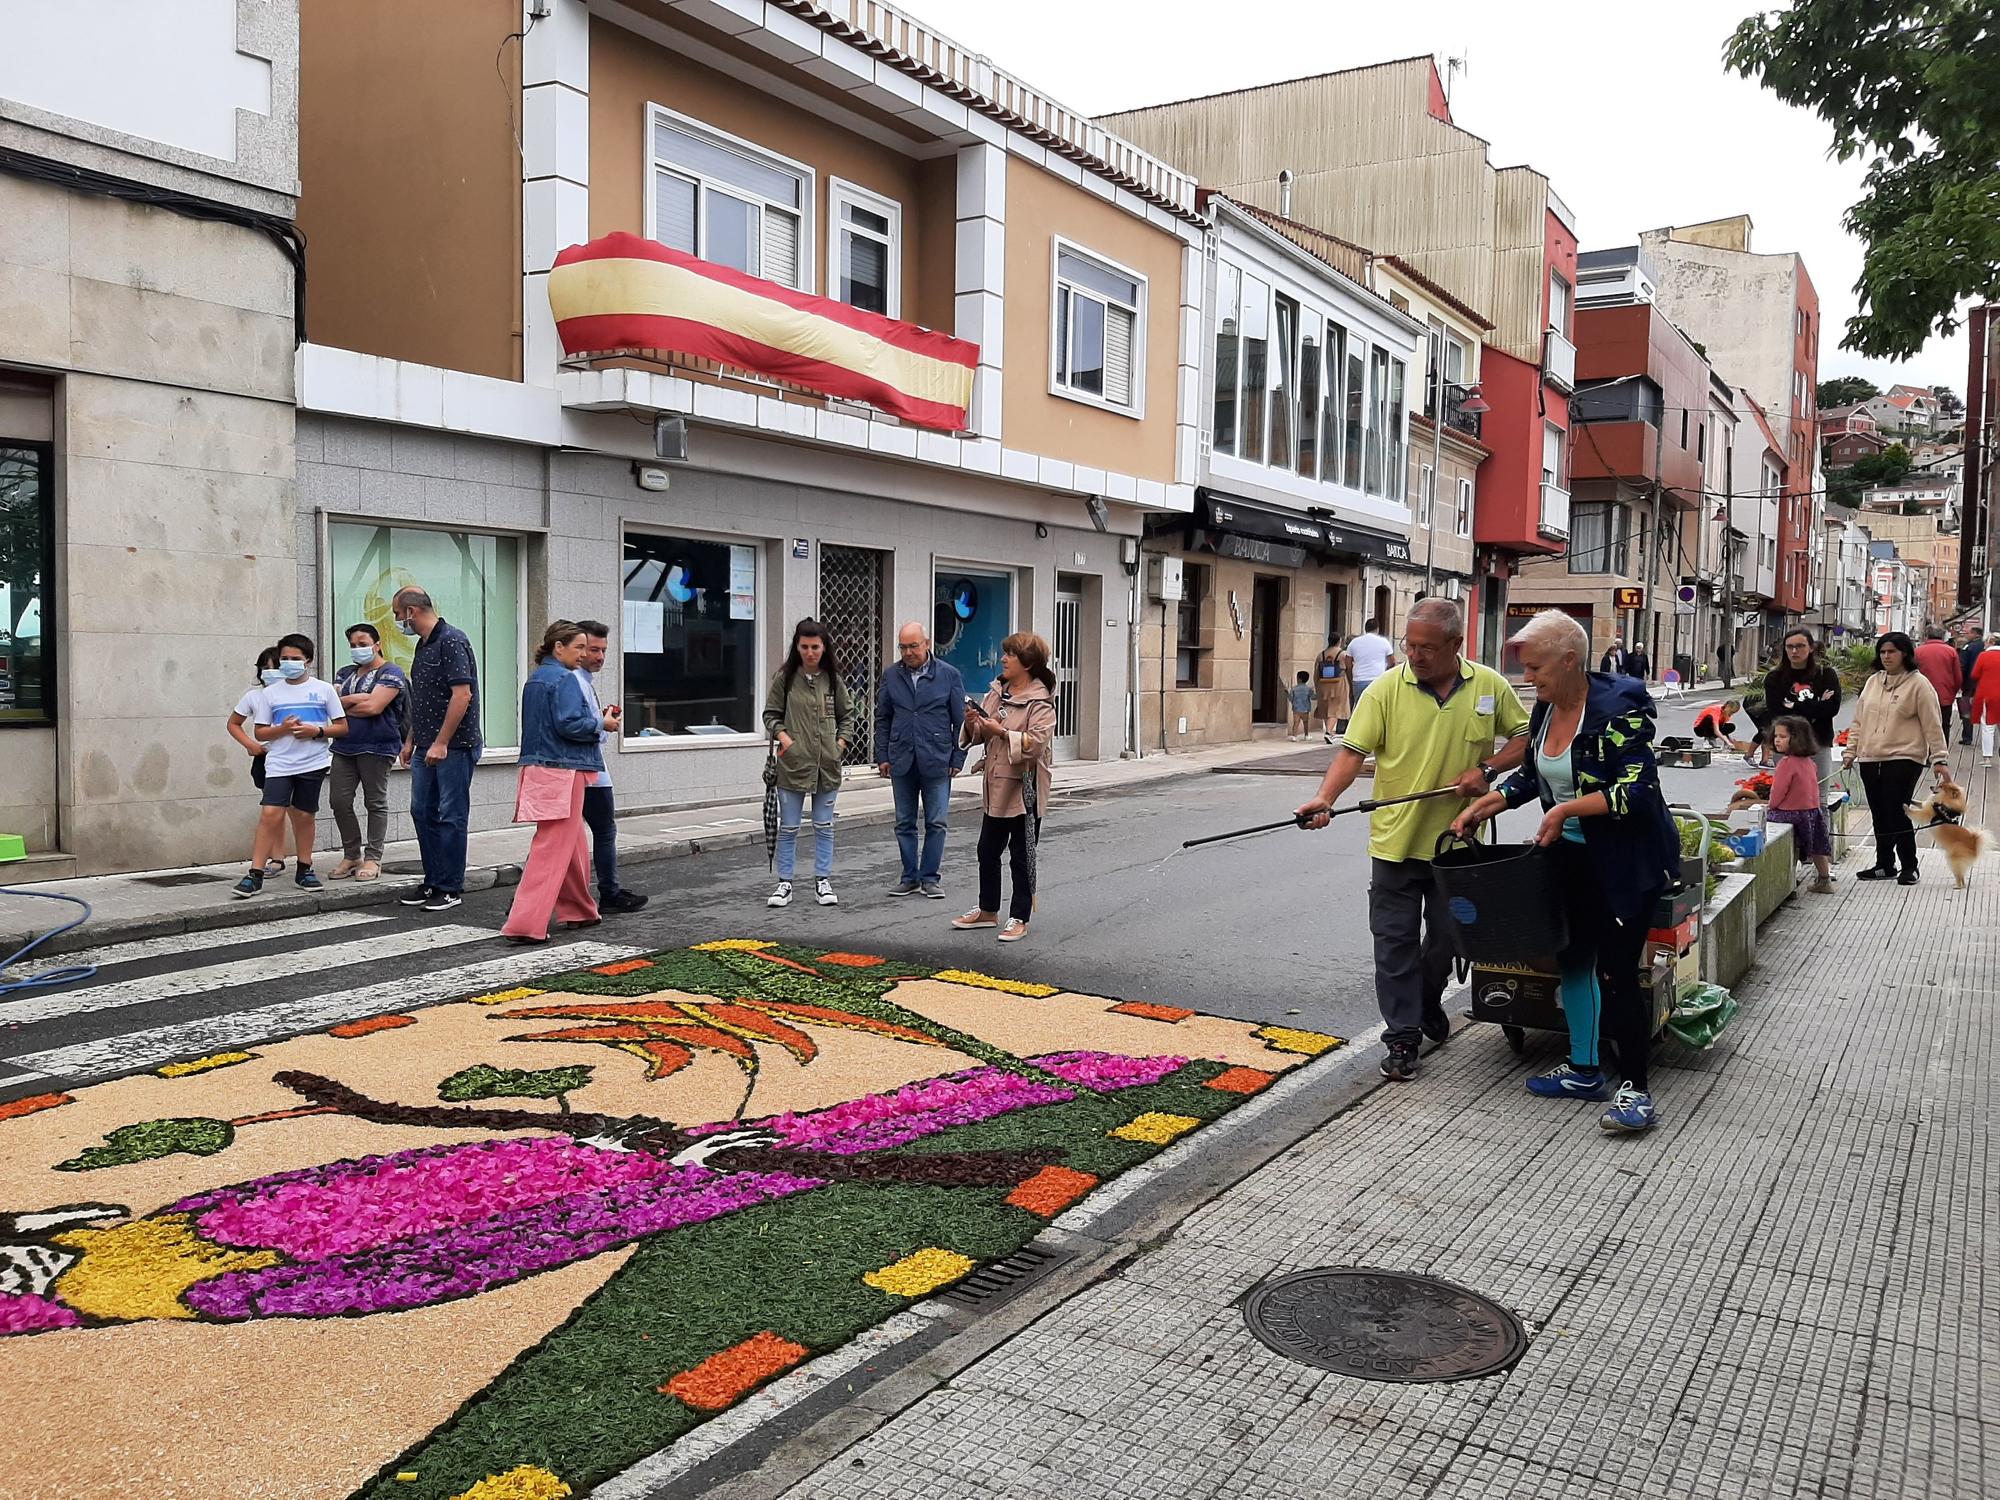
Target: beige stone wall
{"x": 168, "y": 346}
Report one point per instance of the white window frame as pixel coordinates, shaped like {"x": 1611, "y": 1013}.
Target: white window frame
{"x": 657, "y": 114}
{"x": 648, "y": 744}
{"x": 1426, "y": 496}
{"x": 1137, "y": 410}
{"x": 528, "y": 537}
{"x": 1464, "y": 523}
{"x": 840, "y": 191}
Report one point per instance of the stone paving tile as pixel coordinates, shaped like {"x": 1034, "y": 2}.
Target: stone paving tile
{"x": 1789, "y": 1289}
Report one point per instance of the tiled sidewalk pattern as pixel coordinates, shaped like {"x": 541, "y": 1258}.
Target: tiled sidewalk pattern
{"x": 1792, "y": 1288}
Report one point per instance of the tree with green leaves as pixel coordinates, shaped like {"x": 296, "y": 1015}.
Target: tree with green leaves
{"x": 1949, "y": 406}
{"x": 1845, "y": 486}
{"x": 1915, "y": 90}
{"x": 1846, "y": 390}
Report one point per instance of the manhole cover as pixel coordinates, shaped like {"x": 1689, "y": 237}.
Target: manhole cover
{"x": 1383, "y": 1325}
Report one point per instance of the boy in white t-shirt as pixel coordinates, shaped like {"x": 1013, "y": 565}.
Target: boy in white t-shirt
{"x": 1372, "y": 656}
{"x": 294, "y": 718}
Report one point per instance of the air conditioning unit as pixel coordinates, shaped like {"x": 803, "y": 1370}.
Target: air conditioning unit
{"x": 1165, "y": 579}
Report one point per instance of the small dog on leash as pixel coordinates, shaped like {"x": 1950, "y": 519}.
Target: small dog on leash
{"x": 1942, "y": 813}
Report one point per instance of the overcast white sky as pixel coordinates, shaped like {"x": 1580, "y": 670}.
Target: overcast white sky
{"x": 1625, "y": 106}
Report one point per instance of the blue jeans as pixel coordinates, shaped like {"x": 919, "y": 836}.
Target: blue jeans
{"x": 912, "y": 788}
{"x": 791, "y": 805}
{"x": 600, "y": 814}
{"x": 440, "y": 804}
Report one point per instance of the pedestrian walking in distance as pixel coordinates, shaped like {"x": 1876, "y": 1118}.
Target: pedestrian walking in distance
{"x": 807, "y": 711}
{"x": 441, "y": 745}
{"x": 1796, "y": 799}
{"x": 1369, "y": 655}
{"x": 1968, "y": 657}
{"x": 1941, "y": 668}
{"x": 1431, "y": 722}
{"x": 1896, "y": 732}
{"x": 296, "y": 718}
{"x": 1986, "y": 697}
{"x": 266, "y": 674}
{"x": 1803, "y": 685}
{"x": 1616, "y": 850}
{"x": 919, "y": 710}
{"x": 1016, "y": 723}
{"x": 1638, "y": 665}
{"x": 1301, "y": 696}
{"x": 374, "y": 691}
{"x": 1331, "y": 670}
{"x": 559, "y": 756}
{"x": 1613, "y": 662}
{"x": 600, "y": 812}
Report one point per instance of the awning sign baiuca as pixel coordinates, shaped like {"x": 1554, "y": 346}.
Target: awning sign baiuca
{"x": 1260, "y": 535}
{"x": 623, "y": 294}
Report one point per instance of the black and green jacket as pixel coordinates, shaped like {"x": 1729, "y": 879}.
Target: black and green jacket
{"x": 1635, "y": 848}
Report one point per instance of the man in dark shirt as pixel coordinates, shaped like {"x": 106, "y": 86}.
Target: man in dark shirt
{"x": 1968, "y": 653}
{"x": 442, "y": 746}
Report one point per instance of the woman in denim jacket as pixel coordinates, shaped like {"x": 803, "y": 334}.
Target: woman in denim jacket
{"x": 559, "y": 755}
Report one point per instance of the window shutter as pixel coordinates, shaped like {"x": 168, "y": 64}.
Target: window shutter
{"x": 1119, "y": 376}
{"x": 673, "y": 212}
{"x": 779, "y": 252}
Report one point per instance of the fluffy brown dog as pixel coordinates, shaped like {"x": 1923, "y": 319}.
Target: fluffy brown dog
{"x": 1962, "y": 846}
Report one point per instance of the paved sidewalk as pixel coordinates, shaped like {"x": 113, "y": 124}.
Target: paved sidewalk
{"x": 1791, "y": 1288}
{"x": 152, "y": 903}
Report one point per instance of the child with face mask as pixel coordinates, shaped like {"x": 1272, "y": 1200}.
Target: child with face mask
{"x": 294, "y": 718}
{"x": 267, "y": 674}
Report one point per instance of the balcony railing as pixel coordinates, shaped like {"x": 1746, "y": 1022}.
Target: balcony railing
{"x": 1559, "y": 360}
{"x": 1456, "y": 416}
{"x": 885, "y": 31}
{"x": 1555, "y": 511}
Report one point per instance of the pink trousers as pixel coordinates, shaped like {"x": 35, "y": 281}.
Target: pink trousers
{"x": 555, "y": 883}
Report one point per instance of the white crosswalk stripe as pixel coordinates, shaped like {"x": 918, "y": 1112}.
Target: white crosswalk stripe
{"x": 197, "y": 942}
{"x": 206, "y": 977}
{"x": 85, "y": 1062}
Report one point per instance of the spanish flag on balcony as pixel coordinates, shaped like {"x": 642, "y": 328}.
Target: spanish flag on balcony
{"x": 626, "y": 295}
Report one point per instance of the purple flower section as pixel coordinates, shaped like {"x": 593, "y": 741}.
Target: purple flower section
{"x": 24, "y": 1312}
{"x": 1106, "y": 1071}
{"x": 463, "y": 1260}
{"x": 349, "y": 1206}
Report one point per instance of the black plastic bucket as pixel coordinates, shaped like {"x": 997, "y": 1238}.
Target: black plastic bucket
{"x": 1503, "y": 903}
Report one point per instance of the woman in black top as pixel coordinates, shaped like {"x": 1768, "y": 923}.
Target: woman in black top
{"x": 1804, "y": 685}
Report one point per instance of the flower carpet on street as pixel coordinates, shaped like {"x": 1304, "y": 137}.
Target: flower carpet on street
{"x": 507, "y": 1246}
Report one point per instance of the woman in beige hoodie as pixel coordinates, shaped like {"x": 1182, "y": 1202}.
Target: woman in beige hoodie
{"x": 1016, "y": 724}
{"x": 1898, "y": 729}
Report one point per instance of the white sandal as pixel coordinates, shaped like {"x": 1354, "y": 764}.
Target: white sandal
{"x": 974, "y": 919}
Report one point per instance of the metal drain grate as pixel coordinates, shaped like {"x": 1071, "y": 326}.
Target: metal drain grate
{"x": 1003, "y": 1278}
{"x": 186, "y": 877}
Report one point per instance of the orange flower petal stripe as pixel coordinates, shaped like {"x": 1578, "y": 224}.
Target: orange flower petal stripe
{"x": 13, "y": 1109}
{"x": 723, "y": 1379}
{"x": 372, "y": 1024}
{"x": 851, "y": 960}
{"x": 1151, "y": 1012}
{"x": 1241, "y": 1080}
{"x": 1051, "y": 1190}
{"x": 630, "y": 965}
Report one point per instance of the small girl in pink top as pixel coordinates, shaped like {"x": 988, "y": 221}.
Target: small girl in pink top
{"x": 1795, "y": 797}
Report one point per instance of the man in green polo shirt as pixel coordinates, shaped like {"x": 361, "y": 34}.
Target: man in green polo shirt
{"x": 1430, "y": 722}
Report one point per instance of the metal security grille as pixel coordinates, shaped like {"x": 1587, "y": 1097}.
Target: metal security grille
{"x": 852, "y": 594}
{"x": 1066, "y": 649}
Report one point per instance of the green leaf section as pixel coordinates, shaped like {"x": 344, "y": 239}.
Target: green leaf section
{"x": 150, "y": 1140}
{"x": 586, "y": 1402}
{"x": 482, "y": 1081}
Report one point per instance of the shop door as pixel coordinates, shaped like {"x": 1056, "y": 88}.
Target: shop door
{"x": 1267, "y": 704}
{"x": 1068, "y": 650}
{"x": 852, "y": 594}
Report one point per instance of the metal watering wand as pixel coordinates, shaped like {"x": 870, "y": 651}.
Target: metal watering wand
{"x": 1297, "y": 820}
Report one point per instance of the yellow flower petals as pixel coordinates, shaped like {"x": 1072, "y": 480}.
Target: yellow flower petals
{"x": 1155, "y": 1128}
{"x": 988, "y": 982}
{"x": 919, "y": 1273}
{"x": 732, "y": 945}
{"x": 138, "y": 1270}
{"x": 501, "y": 997}
{"x": 202, "y": 1064}
{"x": 525, "y": 1482}
{"x": 1289, "y": 1039}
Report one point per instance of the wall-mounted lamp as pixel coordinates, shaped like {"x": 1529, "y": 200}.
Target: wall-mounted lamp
{"x": 1100, "y": 513}
{"x": 1474, "y": 403}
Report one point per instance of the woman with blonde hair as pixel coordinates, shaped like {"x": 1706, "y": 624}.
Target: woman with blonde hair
{"x": 1016, "y": 723}
{"x": 559, "y": 755}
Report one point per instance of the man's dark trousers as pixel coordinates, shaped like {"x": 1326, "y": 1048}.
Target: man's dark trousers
{"x": 600, "y": 815}
{"x": 1412, "y": 956}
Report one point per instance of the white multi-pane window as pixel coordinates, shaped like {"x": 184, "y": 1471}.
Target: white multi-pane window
{"x": 866, "y": 249}
{"x": 1465, "y": 507}
{"x": 730, "y": 202}
{"x": 1426, "y": 496}
{"x": 1099, "y": 331}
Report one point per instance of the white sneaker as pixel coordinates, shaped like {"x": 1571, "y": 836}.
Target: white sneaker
{"x": 823, "y": 893}
{"x": 782, "y": 896}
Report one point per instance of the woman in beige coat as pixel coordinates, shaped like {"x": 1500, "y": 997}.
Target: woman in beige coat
{"x": 1016, "y": 724}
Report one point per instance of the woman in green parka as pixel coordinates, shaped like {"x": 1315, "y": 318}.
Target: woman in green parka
{"x": 808, "y": 713}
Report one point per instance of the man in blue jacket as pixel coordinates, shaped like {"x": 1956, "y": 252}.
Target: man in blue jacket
{"x": 917, "y": 717}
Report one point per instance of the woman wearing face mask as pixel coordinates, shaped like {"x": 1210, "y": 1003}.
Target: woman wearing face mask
{"x": 297, "y": 719}
{"x": 808, "y": 714}
{"x": 1016, "y": 724}
{"x": 245, "y": 712}
{"x": 372, "y": 691}
{"x": 1897, "y": 730}
{"x": 559, "y": 756}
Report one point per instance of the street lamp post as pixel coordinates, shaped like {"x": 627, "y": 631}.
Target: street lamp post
{"x": 1474, "y": 405}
